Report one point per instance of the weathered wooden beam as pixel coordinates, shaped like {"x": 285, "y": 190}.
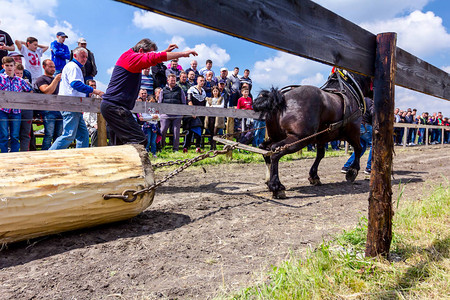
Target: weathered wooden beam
{"x": 302, "y": 28}
{"x": 80, "y": 104}
{"x": 379, "y": 233}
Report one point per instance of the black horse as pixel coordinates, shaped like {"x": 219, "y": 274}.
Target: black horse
{"x": 332, "y": 112}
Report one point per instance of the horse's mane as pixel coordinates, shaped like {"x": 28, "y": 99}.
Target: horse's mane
{"x": 269, "y": 101}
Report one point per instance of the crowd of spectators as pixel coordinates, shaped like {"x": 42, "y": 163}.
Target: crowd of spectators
{"x": 417, "y": 136}
{"x": 171, "y": 83}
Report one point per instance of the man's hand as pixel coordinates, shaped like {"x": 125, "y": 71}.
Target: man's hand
{"x": 171, "y": 47}
{"x": 98, "y": 92}
{"x": 57, "y": 77}
{"x": 189, "y": 52}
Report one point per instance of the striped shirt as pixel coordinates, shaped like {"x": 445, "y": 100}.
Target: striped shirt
{"x": 13, "y": 84}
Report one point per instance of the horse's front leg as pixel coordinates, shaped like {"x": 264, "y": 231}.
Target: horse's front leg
{"x": 314, "y": 179}
{"x": 274, "y": 184}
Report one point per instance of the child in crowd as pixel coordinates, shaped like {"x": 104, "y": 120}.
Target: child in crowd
{"x": 150, "y": 126}
{"x": 32, "y": 52}
{"x": 213, "y": 124}
{"x": 10, "y": 118}
{"x": 246, "y": 102}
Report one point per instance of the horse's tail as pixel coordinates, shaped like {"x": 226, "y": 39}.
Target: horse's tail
{"x": 269, "y": 102}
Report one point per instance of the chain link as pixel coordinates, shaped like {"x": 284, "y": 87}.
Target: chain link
{"x": 131, "y": 195}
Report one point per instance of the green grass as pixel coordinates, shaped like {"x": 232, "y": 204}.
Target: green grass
{"x": 238, "y": 157}
{"x": 419, "y": 267}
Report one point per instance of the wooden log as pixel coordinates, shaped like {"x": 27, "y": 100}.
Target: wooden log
{"x": 47, "y": 192}
{"x": 379, "y": 233}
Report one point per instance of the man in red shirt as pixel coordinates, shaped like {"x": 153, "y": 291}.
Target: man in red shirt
{"x": 123, "y": 88}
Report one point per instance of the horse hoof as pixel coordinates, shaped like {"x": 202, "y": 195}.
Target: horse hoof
{"x": 314, "y": 181}
{"x": 279, "y": 195}
{"x": 351, "y": 174}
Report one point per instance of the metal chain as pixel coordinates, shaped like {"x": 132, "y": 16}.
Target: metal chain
{"x": 284, "y": 147}
{"x": 131, "y": 195}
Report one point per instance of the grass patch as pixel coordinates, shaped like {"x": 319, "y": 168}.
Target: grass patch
{"x": 238, "y": 157}
{"x": 418, "y": 268}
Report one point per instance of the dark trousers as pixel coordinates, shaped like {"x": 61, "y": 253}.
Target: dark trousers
{"x": 123, "y": 124}
{"x": 26, "y": 124}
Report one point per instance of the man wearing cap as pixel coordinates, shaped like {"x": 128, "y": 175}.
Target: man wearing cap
{"x": 60, "y": 52}
{"x": 18, "y": 60}
{"x": 90, "y": 68}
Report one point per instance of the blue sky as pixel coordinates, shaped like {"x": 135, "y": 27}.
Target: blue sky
{"x": 110, "y": 28}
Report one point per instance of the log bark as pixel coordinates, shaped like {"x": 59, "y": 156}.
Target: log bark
{"x": 46, "y": 192}
{"x": 379, "y": 232}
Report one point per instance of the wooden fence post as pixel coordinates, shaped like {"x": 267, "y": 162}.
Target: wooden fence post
{"x": 102, "y": 139}
{"x": 379, "y": 233}
{"x": 230, "y": 130}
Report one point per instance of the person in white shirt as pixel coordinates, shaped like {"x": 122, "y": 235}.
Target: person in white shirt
{"x": 32, "y": 52}
{"x": 72, "y": 84}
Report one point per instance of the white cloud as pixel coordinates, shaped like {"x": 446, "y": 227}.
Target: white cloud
{"x": 419, "y": 33}
{"x": 110, "y": 70}
{"x": 405, "y": 98}
{"x": 285, "y": 69}
{"x": 446, "y": 69}
{"x": 13, "y": 12}
{"x": 359, "y": 11}
{"x": 148, "y": 20}
{"x": 316, "y": 80}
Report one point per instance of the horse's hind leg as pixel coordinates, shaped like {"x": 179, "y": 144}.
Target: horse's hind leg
{"x": 268, "y": 163}
{"x": 314, "y": 179}
{"x": 353, "y": 170}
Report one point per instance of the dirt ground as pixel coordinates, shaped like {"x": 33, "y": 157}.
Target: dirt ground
{"x": 210, "y": 230}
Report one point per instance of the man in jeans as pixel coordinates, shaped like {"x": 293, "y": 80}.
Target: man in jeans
{"x": 365, "y": 139}
{"x": 72, "y": 84}
{"x": 47, "y": 84}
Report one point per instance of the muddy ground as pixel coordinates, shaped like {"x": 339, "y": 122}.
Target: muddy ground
{"x": 206, "y": 233}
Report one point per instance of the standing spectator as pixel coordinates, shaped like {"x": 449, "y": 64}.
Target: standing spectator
{"x": 90, "y": 68}
{"x": 246, "y": 79}
{"x": 150, "y": 127}
{"x": 47, "y": 84}
{"x": 123, "y": 89}
{"x": 209, "y": 83}
{"x": 182, "y": 83}
{"x": 409, "y": 119}
{"x": 172, "y": 94}
{"x": 193, "y": 68}
{"x": 194, "y": 124}
{"x": 6, "y": 44}
{"x": 245, "y": 102}
{"x": 32, "y": 53}
{"x": 192, "y": 79}
{"x": 90, "y": 118}
{"x": 10, "y": 118}
{"x": 26, "y": 117}
{"x": 72, "y": 84}
{"x": 365, "y": 139}
{"x": 234, "y": 84}
{"x": 423, "y": 120}
{"x": 147, "y": 81}
{"x": 174, "y": 69}
{"x": 207, "y": 68}
{"x": 214, "y": 124}
{"x": 223, "y": 92}
{"x": 159, "y": 75}
{"x": 18, "y": 60}
{"x": 60, "y": 52}
{"x": 223, "y": 75}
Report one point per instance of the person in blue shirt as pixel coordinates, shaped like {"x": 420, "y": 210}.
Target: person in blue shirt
{"x": 60, "y": 52}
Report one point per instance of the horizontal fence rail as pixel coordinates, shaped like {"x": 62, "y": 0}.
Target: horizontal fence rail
{"x": 34, "y": 101}
{"x": 306, "y": 29}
